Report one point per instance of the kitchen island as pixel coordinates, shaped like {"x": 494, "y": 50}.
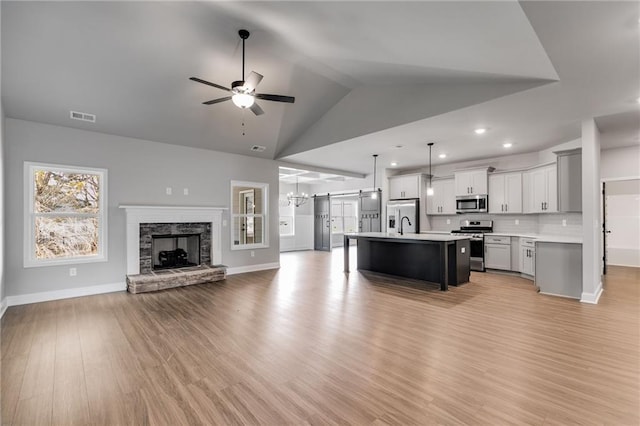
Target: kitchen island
{"x": 437, "y": 258}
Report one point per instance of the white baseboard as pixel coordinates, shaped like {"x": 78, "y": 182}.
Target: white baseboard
{"x": 252, "y": 268}
{"x": 45, "y": 296}
{"x": 3, "y": 306}
{"x": 592, "y": 297}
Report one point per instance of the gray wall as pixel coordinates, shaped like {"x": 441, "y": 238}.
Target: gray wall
{"x": 138, "y": 173}
{"x": 2, "y": 204}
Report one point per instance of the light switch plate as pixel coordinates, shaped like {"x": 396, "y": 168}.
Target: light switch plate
{"x": 169, "y": 190}
{"x": 564, "y": 222}
{"x": 463, "y": 249}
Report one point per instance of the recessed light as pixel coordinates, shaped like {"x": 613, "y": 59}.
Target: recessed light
{"x": 393, "y": 164}
{"x": 480, "y": 130}
{"x": 442, "y": 155}
{"x": 507, "y": 144}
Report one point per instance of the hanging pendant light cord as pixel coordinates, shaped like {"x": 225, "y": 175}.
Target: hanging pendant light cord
{"x": 375, "y": 162}
{"x": 430, "y": 174}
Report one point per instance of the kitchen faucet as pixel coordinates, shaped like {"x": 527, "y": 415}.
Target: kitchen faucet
{"x": 402, "y": 221}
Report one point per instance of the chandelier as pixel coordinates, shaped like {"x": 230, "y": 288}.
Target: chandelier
{"x": 298, "y": 198}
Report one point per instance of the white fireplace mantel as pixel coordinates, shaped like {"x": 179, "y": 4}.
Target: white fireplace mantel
{"x": 137, "y": 214}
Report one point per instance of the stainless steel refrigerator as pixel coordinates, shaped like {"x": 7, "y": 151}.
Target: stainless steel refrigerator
{"x": 405, "y": 213}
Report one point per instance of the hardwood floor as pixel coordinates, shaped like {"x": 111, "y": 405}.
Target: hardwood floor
{"x": 308, "y": 345}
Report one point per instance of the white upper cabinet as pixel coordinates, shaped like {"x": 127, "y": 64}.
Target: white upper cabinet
{"x": 405, "y": 186}
{"x": 472, "y": 182}
{"x": 443, "y": 200}
{"x": 505, "y": 193}
{"x": 541, "y": 190}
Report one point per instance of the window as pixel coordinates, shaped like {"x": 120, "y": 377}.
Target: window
{"x": 66, "y": 215}
{"x": 249, "y": 215}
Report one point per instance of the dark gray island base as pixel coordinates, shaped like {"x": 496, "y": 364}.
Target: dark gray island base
{"x": 437, "y": 258}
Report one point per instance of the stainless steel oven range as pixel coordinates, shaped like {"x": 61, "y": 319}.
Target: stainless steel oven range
{"x": 475, "y": 230}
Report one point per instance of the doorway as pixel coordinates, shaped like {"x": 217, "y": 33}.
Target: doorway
{"x": 621, "y": 223}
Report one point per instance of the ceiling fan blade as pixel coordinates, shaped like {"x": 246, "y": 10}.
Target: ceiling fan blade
{"x": 217, "y": 101}
{"x": 252, "y": 81}
{"x": 276, "y": 98}
{"x": 208, "y": 83}
{"x": 256, "y": 109}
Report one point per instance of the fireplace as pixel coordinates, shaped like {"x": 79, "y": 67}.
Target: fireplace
{"x": 139, "y": 238}
{"x": 174, "y": 245}
{"x": 175, "y": 251}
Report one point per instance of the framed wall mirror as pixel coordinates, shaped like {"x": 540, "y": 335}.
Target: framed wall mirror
{"x": 249, "y": 215}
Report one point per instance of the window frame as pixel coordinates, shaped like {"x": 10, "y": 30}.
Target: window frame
{"x": 264, "y": 215}
{"x": 29, "y": 255}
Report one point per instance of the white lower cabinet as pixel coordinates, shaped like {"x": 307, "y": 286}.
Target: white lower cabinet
{"x": 527, "y": 256}
{"x": 497, "y": 253}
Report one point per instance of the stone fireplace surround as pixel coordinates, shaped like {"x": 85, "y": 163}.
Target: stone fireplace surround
{"x": 149, "y": 230}
{"x": 140, "y": 214}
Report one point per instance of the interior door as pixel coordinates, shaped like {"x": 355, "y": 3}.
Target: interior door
{"x": 322, "y": 223}
{"x": 370, "y": 209}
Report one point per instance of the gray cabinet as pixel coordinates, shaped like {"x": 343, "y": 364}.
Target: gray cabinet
{"x": 505, "y": 193}
{"x": 527, "y": 256}
{"x": 541, "y": 190}
{"x": 443, "y": 200}
{"x": 497, "y": 253}
{"x": 406, "y": 186}
{"x": 472, "y": 182}
{"x": 570, "y": 180}
{"x": 558, "y": 269}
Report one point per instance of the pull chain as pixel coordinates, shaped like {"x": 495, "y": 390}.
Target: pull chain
{"x": 243, "y": 121}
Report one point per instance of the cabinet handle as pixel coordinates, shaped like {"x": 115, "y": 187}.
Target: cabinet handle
{"x": 502, "y": 207}
{"x": 472, "y": 189}
{"x": 506, "y": 207}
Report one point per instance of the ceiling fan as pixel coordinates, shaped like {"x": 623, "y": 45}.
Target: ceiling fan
{"x": 244, "y": 91}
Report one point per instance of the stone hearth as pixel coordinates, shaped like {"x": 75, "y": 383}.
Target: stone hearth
{"x": 172, "y": 278}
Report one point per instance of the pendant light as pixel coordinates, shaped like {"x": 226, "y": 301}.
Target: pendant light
{"x": 374, "y": 194}
{"x": 430, "y": 187}
{"x": 299, "y": 198}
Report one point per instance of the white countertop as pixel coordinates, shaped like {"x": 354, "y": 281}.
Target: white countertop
{"x": 419, "y": 237}
{"x": 543, "y": 238}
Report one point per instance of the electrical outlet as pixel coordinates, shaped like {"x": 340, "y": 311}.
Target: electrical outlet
{"x": 253, "y": 253}
{"x": 73, "y": 272}
{"x": 517, "y": 221}
{"x": 185, "y": 191}
{"x": 169, "y": 190}
{"x": 224, "y": 222}
{"x": 463, "y": 249}
{"x": 448, "y": 221}
{"x": 564, "y": 222}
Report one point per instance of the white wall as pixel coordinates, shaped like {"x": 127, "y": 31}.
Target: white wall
{"x": 620, "y": 163}
{"x": 139, "y": 171}
{"x": 623, "y": 222}
{"x": 302, "y": 219}
{"x": 591, "y": 213}
{"x": 2, "y": 204}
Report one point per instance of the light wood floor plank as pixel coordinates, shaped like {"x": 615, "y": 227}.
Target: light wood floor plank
{"x": 309, "y": 345}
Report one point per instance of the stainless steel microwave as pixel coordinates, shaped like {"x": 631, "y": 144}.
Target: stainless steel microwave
{"x": 471, "y": 204}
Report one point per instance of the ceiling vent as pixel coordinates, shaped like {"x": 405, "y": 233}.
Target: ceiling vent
{"x": 75, "y": 115}
{"x": 258, "y": 148}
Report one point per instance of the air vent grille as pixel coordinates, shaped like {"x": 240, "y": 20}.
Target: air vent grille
{"x": 258, "y": 148}
{"x": 83, "y": 116}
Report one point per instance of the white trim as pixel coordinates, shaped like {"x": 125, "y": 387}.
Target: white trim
{"x": 170, "y": 214}
{"x": 45, "y": 296}
{"x": 3, "y": 307}
{"x": 163, "y": 207}
{"x": 592, "y": 297}
{"x": 29, "y": 260}
{"x": 619, "y": 179}
{"x": 252, "y": 268}
{"x": 264, "y": 215}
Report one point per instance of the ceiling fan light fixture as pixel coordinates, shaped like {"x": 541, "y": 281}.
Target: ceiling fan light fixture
{"x": 243, "y": 100}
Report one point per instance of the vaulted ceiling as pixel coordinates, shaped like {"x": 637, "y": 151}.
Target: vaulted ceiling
{"x": 367, "y": 76}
